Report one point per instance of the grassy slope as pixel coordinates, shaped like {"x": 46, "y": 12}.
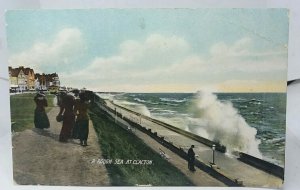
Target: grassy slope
{"x": 117, "y": 143}
{"x": 22, "y": 110}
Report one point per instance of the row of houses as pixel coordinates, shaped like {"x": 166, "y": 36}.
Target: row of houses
{"x": 23, "y": 79}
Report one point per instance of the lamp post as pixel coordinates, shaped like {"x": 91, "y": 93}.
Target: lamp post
{"x": 213, "y": 149}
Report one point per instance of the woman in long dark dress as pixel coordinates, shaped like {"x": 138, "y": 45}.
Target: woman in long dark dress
{"x": 41, "y": 120}
{"x": 67, "y": 113}
{"x": 75, "y": 133}
{"x": 82, "y": 119}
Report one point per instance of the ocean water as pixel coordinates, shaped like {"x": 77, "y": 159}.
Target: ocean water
{"x": 253, "y": 123}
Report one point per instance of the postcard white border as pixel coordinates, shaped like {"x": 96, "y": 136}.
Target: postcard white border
{"x": 293, "y": 132}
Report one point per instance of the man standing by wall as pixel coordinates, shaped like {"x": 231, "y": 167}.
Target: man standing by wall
{"x": 191, "y": 159}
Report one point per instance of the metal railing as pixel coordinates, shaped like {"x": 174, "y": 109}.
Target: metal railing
{"x": 138, "y": 118}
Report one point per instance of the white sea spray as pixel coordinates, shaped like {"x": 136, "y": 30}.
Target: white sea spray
{"x": 221, "y": 122}
{"x": 139, "y": 108}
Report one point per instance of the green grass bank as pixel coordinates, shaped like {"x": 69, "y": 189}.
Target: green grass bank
{"x": 118, "y": 143}
{"x": 22, "y": 110}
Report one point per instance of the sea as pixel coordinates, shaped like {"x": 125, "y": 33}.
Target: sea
{"x": 253, "y": 123}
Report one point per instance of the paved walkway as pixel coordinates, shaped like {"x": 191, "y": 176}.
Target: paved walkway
{"x": 39, "y": 158}
{"x": 233, "y": 168}
{"x": 199, "y": 178}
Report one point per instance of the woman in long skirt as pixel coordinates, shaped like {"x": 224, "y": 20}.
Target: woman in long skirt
{"x": 82, "y": 120}
{"x": 67, "y": 113}
{"x": 41, "y": 120}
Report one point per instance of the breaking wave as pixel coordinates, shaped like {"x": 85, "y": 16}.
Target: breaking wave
{"x": 140, "y": 108}
{"x": 106, "y": 96}
{"x": 172, "y": 100}
{"x": 139, "y": 100}
{"x": 221, "y": 122}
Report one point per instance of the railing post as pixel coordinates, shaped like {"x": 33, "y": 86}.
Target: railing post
{"x": 213, "y": 158}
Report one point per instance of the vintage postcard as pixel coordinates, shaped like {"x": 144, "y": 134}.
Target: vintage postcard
{"x": 148, "y": 97}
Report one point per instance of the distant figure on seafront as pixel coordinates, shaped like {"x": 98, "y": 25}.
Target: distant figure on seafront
{"x": 191, "y": 159}
{"x": 66, "y": 112}
{"x": 82, "y": 119}
{"x": 41, "y": 120}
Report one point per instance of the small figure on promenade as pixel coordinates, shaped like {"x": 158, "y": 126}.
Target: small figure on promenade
{"x": 41, "y": 120}
{"x": 82, "y": 119}
{"x": 191, "y": 158}
{"x": 68, "y": 117}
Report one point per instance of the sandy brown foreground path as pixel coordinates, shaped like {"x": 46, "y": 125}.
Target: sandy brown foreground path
{"x": 39, "y": 158}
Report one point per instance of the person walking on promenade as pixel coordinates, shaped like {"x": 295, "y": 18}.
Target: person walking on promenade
{"x": 68, "y": 117}
{"x": 82, "y": 119}
{"x": 75, "y": 133}
{"x": 191, "y": 159}
{"x": 41, "y": 120}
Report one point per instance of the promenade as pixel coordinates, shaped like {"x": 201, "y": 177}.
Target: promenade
{"x": 228, "y": 165}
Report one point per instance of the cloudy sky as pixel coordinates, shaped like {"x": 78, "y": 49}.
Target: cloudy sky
{"x": 154, "y": 50}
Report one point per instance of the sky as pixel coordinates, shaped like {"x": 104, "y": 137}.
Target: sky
{"x": 154, "y": 50}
